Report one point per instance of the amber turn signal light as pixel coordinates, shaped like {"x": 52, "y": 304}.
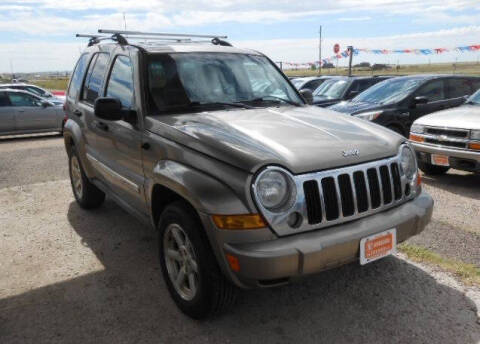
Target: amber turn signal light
{"x": 419, "y": 178}
{"x": 233, "y": 262}
{"x": 416, "y": 138}
{"x": 247, "y": 221}
{"x": 474, "y": 145}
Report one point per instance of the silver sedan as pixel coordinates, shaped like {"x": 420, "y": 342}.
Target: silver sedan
{"x": 24, "y": 113}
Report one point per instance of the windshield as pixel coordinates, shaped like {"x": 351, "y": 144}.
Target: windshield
{"x": 297, "y": 82}
{"x": 474, "y": 98}
{"x": 178, "y": 82}
{"x": 331, "y": 89}
{"x": 388, "y": 91}
{"x": 36, "y": 91}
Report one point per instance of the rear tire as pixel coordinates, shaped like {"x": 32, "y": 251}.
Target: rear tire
{"x": 87, "y": 195}
{"x": 432, "y": 170}
{"x": 202, "y": 290}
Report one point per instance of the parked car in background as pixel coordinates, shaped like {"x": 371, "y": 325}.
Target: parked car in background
{"x": 396, "y": 103}
{"x": 449, "y": 138}
{"x": 34, "y": 90}
{"x": 339, "y": 88}
{"x": 24, "y": 113}
{"x": 247, "y": 185}
{"x": 310, "y": 83}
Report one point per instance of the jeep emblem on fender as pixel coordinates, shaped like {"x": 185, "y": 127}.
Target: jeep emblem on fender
{"x": 350, "y": 152}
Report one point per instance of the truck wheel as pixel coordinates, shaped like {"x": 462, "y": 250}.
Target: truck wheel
{"x": 432, "y": 169}
{"x": 189, "y": 267}
{"x": 88, "y": 196}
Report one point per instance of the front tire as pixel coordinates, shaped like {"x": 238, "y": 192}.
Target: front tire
{"x": 189, "y": 267}
{"x": 87, "y": 195}
{"x": 432, "y": 170}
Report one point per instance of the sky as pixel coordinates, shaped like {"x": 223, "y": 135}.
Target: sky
{"x": 39, "y": 35}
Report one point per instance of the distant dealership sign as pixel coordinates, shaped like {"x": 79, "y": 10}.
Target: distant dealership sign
{"x": 336, "y": 48}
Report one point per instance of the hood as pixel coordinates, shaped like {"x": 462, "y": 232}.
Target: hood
{"x": 463, "y": 117}
{"x": 353, "y": 108}
{"x": 302, "y": 139}
{"x": 324, "y": 101}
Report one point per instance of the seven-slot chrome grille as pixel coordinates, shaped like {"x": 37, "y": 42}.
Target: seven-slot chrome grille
{"x": 353, "y": 192}
{"x": 331, "y": 197}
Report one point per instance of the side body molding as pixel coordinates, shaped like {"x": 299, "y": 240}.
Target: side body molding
{"x": 206, "y": 193}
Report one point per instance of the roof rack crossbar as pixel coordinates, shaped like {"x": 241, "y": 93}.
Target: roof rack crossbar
{"x": 159, "y": 34}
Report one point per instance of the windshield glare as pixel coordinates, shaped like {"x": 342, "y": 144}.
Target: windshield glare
{"x": 388, "y": 91}
{"x": 474, "y": 98}
{"x": 331, "y": 89}
{"x": 178, "y": 80}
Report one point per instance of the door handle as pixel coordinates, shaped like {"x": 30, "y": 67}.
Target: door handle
{"x": 102, "y": 126}
{"x": 77, "y": 113}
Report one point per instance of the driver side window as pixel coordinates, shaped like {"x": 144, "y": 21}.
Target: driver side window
{"x": 434, "y": 91}
{"x": 22, "y": 99}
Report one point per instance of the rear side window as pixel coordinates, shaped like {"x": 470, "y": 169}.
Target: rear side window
{"x": 22, "y": 99}
{"x": 94, "y": 80}
{"x": 4, "y": 100}
{"x": 433, "y": 91}
{"x": 77, "y": 77}
{"x": 476, "y": 85}
{"x": 457, "y": 88}
{"x": 312, "y": 85}
{"x": 120, "y": 84}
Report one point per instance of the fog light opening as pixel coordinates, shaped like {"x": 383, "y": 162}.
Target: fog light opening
{"x": 294, "y": 220}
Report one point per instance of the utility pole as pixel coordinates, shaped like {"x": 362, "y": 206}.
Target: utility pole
{"x": 350, "y": 55}
{"x": 11, "y": 70}
{"x": 320, "y": 52}
{"x": 124, "y": 22}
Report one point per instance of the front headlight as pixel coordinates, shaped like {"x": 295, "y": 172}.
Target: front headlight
{"x": 475, "y": 134}
{"x": 408, "y": 162}
{"x": 417, "y": 129}
{"x": 275, "y": 190}
{"x": 369, "y": 116}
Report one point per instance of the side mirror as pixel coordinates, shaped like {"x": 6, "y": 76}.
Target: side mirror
{"x": 45, "y": 104}
{"x": 307, "y": 95}
{"x": 109, "y": 109}
{"x": 420, "y": 100}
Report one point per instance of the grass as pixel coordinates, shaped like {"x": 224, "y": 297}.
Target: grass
{"x": 468, "y": 273}
{"x": 52, "y": 84}
{"x": 471, "y": 68}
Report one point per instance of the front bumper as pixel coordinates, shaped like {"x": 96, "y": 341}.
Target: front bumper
{"x": 271, "y": 262}
{"x": 460, "y": 159}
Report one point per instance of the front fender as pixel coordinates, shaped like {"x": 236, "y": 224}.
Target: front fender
{"x": 204, "y": 192}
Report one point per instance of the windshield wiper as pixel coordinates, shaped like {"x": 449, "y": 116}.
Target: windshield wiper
{"x": 236, "y": 104}
{"x": 275, "y": 98}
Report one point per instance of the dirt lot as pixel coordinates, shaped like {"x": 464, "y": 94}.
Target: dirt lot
{"x": 72, "y": 276}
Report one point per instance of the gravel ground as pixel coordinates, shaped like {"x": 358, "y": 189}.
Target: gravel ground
{"x": 455, "y": 228}
{"x": 26, "y": 161}
{"x": 74, "y": 276}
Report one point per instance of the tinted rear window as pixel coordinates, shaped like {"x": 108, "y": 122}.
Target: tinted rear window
{"x": 457, "y": 88}
{"x": 94, "y": 81}
{"x": 77, "y": 77}
{"x": 4, "y": 100}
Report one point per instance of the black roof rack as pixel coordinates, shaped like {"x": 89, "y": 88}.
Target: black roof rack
{"x": 121, "y": 36}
